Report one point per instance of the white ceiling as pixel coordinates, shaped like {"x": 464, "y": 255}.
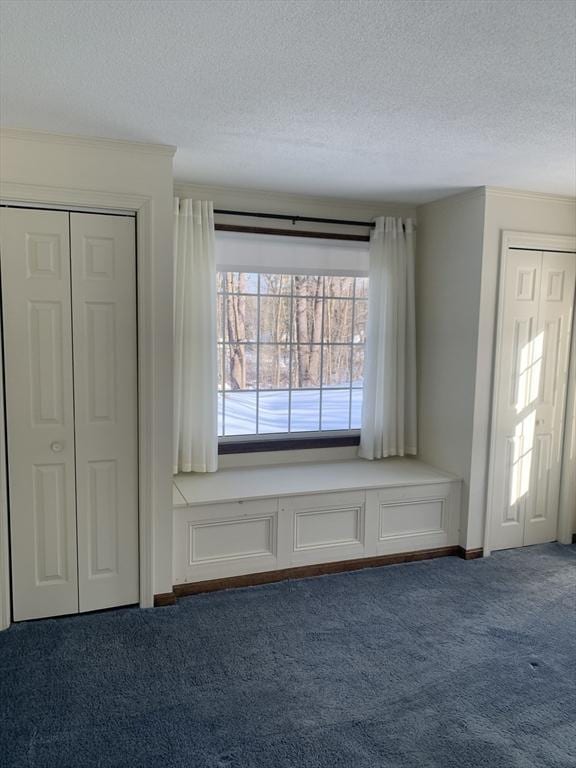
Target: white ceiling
{"x": 403, "y": 100}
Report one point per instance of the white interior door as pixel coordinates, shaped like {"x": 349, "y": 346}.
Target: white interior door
{"x": 555, "y": 330}
{"x": 531, "y": 378}
{"x": 39, "y": 411}
{"x": 106, "y": 398}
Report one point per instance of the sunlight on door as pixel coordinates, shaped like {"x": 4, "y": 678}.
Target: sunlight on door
{"x": 527, "y": 394}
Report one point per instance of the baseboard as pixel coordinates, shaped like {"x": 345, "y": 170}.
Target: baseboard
{"x": 166, "y": 598}
{"x": 305, "y": 571}
{"x": 470, "y": 554}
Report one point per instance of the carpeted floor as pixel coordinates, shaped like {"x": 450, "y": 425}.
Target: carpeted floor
{"x": 444, "y": 663}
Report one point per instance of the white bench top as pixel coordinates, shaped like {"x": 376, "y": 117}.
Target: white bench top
{"x": 301, "y": 479}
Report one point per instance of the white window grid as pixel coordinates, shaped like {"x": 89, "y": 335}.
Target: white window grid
{"x": 291, "y": 295}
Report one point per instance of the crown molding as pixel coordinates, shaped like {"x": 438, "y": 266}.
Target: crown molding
{"x": 528, "y": 195}
{"x": 458, "y": 197}
{"x": 277, "y": 202}
{"x": 118, "y": 145}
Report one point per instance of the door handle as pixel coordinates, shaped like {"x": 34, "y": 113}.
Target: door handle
{"x": 56, "y": 447}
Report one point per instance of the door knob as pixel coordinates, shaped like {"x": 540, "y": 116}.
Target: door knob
{"x": 57, "y": 447}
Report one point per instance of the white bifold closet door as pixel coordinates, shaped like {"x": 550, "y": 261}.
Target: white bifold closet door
{"x": 70, "y": 342}
{"x": 530, "y": 396}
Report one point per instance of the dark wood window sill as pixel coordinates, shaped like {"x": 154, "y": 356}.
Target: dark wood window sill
{"x": 288, "y": 444}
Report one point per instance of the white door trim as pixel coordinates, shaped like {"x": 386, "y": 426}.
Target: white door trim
{"x": 5, "y": 606}
{"x": 142, "y": 205}
{"x": 542, "y": 242}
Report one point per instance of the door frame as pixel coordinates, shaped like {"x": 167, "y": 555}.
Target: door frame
{"x": 540, "y": 242}
{"x": 47, "y": 196}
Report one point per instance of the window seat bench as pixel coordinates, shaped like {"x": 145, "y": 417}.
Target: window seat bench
{"x": 255, "y": 524}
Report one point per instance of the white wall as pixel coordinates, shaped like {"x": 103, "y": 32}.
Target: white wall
{"x": 113, "y": 167}
{"x": 448, "y": 274}
{"x": 458, "y": 243}
{"x": 521, "y": 212}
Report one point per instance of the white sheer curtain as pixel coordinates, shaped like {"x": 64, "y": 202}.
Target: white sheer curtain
{"x": 389, "y": 403}
{"x": 195, "y": 363}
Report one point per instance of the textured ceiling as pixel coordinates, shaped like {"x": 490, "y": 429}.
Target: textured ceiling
{"x": 389, "y": 100}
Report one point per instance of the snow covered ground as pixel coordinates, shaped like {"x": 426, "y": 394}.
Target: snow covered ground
{"x": 240, "y": 411}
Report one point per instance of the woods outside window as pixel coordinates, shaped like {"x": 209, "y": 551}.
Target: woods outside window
{"x": 290, "y": 353}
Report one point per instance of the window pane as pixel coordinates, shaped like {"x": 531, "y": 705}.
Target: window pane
{"x": 335, "y": 285}
{"x": 336, "y": 365}
{"x": 305, "y": 411}
{"x": 308, "y": 285}
{"x": 240, "y": 365}
{"x": 306, "y": 320}
{"x": 306, "y": 366}
{"x": 338, "y": 320}
{"x": 220, "y": 368}
{"x": 274, "y": 319}
{"x": 356, "y": 422}
{"x": 220, "y": 400}
{"x": 335, "y": 408}
{"x": 241, "y": 317}
{"x": 274, "y": 366}
{"x": 240, "y": 282}
{"x": 219, "y": 318}
{"x": 360, "y": 317}
{"x": 358, "y": 366}
{"x": 361, "y": 288}
{"x": 273, "y": 412}
{"x": 240, "y": 413}
{"x": 276, "y": 284}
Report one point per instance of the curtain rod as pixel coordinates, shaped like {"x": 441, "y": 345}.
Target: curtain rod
{"x": 294, "y": 219}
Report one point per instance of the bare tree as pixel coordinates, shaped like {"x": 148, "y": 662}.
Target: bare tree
{"x": 308, "y": 328}
{"x": 236, "y": 322}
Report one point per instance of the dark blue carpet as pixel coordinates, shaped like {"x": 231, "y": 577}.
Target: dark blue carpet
{"x": 442, "y": 663}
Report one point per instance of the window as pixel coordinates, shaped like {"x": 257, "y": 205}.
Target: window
{"x": 290, "y": 352}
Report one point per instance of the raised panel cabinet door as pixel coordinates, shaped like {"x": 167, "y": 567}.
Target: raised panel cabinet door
{"x": 106, "y": 406}
{"x": 548, "y": 408}
{"x": 518, "y": 365}
{"x": 35, "y": 258}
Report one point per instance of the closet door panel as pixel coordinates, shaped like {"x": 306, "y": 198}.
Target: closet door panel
{"x": 519, "y": 365}
{"x": 554, "y": 333}
{"x": 35, "y": 259}
{"x": 105, "y": 378}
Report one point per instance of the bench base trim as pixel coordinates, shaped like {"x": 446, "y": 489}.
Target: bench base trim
{"x": 307, "y": 571}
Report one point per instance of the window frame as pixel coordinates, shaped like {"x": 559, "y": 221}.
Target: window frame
{"x": 284, "y": 441}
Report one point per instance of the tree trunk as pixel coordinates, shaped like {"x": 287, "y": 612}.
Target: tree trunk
{"x": 236, "y": 322}
{"x": 302, "y": 338}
